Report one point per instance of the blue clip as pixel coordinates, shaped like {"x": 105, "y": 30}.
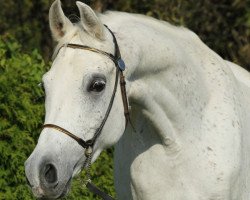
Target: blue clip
{"x": 121, "y": 64}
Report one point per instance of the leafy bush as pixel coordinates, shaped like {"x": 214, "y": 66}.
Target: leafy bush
{"x": 22, "y": 114}
{"x": 25, "y": 21}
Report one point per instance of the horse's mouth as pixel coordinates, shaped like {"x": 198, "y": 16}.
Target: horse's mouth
{"x": 42, "y": 194}
{"x": 65, "y": 190}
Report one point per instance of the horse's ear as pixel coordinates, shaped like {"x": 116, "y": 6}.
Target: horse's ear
{"x": 59, "y": 23}
{"x": 90, "y": 22}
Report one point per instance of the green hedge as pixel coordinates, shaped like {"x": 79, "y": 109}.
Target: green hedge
{"x": 22, "y": 114}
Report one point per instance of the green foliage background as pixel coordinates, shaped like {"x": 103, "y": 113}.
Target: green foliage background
{"x": 25, "y": 49}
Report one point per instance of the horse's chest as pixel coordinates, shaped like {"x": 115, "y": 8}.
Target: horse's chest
{"x": 145, "y": 172}
{"x": 153, "y": 176}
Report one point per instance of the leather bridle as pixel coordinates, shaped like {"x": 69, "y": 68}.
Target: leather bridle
{"x": 88, "y": 145}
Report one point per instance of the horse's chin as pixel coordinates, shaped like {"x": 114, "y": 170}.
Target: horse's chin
{"x": 58, "y": 193}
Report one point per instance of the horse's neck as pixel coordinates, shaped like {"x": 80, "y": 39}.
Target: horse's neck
{"x": 161, "y": 77}
{"x": 175, "y": 84}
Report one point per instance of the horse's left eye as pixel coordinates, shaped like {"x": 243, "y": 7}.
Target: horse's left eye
{"x": 97, "y": 86}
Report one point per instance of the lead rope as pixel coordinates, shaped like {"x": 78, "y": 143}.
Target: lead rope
{"x": 125, "y": 101}
{"x": 88, "y": 154}
{"x": 94, "y": 189}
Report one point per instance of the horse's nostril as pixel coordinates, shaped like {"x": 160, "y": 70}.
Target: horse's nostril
{"x": 50, "y": 174}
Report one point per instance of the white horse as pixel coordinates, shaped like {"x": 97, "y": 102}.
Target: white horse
{"x": 190, "y": 109}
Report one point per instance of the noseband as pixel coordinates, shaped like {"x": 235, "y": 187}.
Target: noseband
{"x": 88, "y": 145}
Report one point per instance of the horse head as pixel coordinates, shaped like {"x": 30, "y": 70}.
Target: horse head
{"x": 78, "y": 90}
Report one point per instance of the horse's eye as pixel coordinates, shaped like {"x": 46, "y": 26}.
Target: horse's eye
{"x": 97, "y": 85}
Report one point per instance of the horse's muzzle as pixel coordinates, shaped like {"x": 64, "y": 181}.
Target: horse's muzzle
{"x": 43, "y": 179}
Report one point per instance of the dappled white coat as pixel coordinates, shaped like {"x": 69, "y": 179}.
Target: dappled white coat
{"x": 192, "y": 112}
{"x": 190, "y": 109}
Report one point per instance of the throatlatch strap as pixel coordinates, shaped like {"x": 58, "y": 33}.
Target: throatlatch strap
{"x": 124, "y": 97}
